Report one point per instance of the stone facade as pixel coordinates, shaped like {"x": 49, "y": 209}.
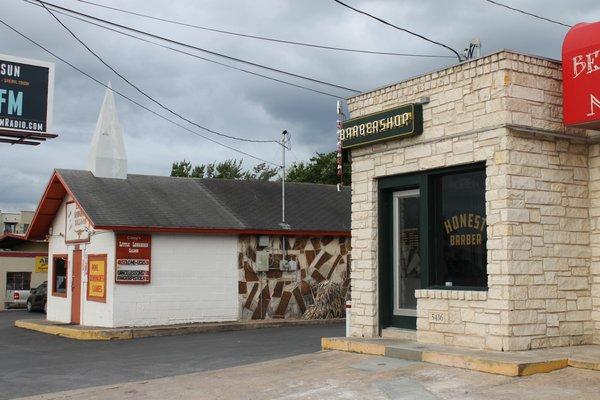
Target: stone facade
{"x": 543, "y": 233}
{"x": 286, "y": 294}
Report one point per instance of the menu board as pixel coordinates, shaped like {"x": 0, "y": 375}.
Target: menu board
{"x": 96, "y": 278}
{"x": 133, "y": 259}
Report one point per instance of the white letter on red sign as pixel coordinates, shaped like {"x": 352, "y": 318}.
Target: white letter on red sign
{"x": 578, "y": 66}
{"x": 594, "y": 103}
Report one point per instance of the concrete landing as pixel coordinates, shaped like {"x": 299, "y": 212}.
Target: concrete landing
{"x": 518, "y": 363}
{"x": 81, "y": 332}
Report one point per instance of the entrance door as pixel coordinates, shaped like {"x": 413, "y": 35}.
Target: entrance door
{"x": 76, "y": 288}
{"x": 406, "y": 259}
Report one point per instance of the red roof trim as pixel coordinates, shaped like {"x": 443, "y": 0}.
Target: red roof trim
{"x": 222, "y": 231}
{"x": 28, "y": 254}
{"x": 17, "y": 236}
{"x": 43, "y": 211}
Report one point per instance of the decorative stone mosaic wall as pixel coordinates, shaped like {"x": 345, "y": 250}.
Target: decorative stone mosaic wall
{"x": 286, "y": 294}
{"x": 504, "y": 109}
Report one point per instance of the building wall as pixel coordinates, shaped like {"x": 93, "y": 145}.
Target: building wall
{"x": 283, "y": 294}
{"x": 594, "y": 189}
{"x": 16, "y": 263}
{"x": 93, "y": 313}
{"x": 539, "y": 292}
{"x": 194, "y": 279}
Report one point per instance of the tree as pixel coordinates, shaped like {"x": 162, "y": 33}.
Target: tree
{"x": 228, "y": 169}
{"x": 181, "y": 169}
{"x": 321, "y": 168}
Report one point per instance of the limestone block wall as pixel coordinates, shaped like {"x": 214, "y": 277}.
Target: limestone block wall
{"x": 283, "y": 294}
{"x": 594, "y": 188}
{"x": 505, "y": 110}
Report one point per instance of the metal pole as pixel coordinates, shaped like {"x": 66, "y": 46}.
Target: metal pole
{"x": 283, "y": 176}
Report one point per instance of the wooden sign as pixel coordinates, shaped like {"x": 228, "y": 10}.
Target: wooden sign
{"x": 96, "y": 278}
{"x": 133, "y": 256}
{"x": 77, "y": 226}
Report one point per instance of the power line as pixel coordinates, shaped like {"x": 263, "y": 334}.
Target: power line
{"x": 128, "y": 98}
{"x": 265, "y": 38}
{"x": 399, "y": 28}
{"x": 190, "y": 54}
{"x": 214, "y": 53}
{"x": 528, "y": 13}
{"x": 144, "y": 93}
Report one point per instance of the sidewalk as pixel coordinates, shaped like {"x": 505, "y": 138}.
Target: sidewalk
{"x": 81, "y": 332}
{"x": 518, "y": 363}
{"x": 337, "y": 375}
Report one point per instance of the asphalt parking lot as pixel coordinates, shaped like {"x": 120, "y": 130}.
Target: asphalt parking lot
{"x": 34, "y": 363}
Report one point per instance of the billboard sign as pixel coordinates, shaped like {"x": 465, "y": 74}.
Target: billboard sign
{"x": 133, "y": 258}
{"x": 581, "y": 76}
{"x": 26, "y": 92}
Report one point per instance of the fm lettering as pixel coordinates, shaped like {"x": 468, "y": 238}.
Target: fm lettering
{"x": 15, "y": 103}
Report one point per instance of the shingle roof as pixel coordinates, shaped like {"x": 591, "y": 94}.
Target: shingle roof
{"x": 167, "y": 202}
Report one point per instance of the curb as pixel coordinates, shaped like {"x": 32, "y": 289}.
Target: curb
{"x": 472, "y": 362}
{"x": 92, "y": 333}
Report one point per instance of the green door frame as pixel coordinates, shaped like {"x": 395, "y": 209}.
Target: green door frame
{"x": 387, "y": 186}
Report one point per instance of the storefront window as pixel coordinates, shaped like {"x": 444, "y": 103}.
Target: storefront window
{"x": 59, "y": 275}
{"x": 459, "y": 229}
{"x": 18, "y": 280}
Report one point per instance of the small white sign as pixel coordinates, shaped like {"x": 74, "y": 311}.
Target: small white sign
{"x": 77, "y": 229}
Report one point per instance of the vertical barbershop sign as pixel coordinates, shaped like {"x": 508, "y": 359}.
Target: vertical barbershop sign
{"x": 581, "y": 76}
{"x": 133, "y": 259}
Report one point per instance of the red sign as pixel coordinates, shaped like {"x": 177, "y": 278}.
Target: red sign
{"x": 133, "y": 259}
{"x": 581, "y": 76}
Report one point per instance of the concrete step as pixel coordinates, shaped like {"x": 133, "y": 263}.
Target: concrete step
{"x": 520, "y": 363}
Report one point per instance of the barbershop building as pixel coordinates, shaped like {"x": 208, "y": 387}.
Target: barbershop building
{"x": 475, "y": 209}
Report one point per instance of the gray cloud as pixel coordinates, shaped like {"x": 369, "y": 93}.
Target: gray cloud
{"x": 237, "y": 103}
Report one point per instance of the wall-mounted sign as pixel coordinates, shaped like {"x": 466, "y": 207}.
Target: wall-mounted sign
{"x": 77, "y": 226}
{"x": 41, "y": 264}
{"x": 96, "y": 278}
{"x": 133, "y": 259}
{"x": 401, "y": 121}
{"x": 465, "y": 229}
{"x": 26, "y": 90}
{"x": 581, "y": 76}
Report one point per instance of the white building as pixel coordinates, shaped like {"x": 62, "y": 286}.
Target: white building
{"x": 137, "y": 250}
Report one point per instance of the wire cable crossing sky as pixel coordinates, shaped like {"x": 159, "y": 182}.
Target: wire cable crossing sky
{"x": 270, "y": 39}
{"x": 198, "y": 48}
{"x": 129, "y": 98}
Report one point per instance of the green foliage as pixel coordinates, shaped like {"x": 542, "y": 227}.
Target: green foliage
{"x": 228, "y": 169}
{"x": 321, "y": 168}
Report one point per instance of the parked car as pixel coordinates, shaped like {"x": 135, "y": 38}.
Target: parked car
{"x": 16, "y": 298}
{"x": 37, "y": 299}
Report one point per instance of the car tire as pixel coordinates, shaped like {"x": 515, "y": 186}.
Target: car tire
{"x": 29, "y": 306}
{"x": 45, "y": 308}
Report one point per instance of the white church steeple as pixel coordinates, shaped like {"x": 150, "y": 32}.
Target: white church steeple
{"x": 107, "y": 157}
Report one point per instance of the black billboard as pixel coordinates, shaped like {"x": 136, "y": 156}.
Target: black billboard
{"x": 25, "y": 95}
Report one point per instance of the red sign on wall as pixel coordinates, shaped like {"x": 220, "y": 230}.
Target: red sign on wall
{"x": 581, "y": 76}
{"x": 133, "y": 257}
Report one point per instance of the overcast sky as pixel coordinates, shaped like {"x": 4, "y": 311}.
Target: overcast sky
{"x": 233, "y": 102}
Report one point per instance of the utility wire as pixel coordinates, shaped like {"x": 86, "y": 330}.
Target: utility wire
{"x": 399, "y": 28}
{"x": 190, "y": 54}
{"x": 214, "y": 53}
{"x": 528, "y": 13}
{"x": 143, "y": 92}
{"x": 129, "y": 98}
{"x": 269, "y": 39}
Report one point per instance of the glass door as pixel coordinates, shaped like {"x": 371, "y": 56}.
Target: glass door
{"x": 406, "y": 259}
